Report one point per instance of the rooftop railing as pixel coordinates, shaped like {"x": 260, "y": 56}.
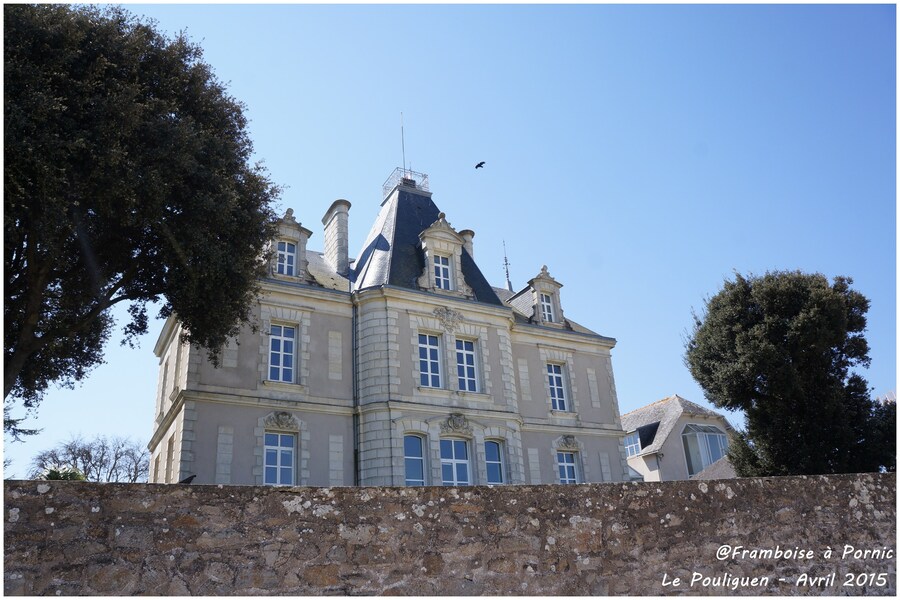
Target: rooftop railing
{"x": 404, "y": 177}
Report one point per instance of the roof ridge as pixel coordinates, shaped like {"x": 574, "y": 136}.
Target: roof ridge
{"x": 666, "y": 399}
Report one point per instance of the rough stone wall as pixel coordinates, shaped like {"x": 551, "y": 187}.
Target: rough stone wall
{"x": 616, "y": 538}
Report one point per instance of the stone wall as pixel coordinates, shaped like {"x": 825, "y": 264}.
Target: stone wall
{"x": 616, "y": 538}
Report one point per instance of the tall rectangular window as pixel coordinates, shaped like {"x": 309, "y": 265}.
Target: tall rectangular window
{"x": 557, "y": 386}
{"x": 568, "y": 471}
{"x": 170, "y": 460}
{"x": 632, "y": 443}
{"x": 466, "y": 373}
{"x": 287, "y": 256}
{"x": 493, "y": 459}
{"x": 442, "y": 272}
{"x": 414, "y": 460}
{"x": 279, "y": 464}
{"x": 546, "y": 308}
{"x": 281, "y": 353}
{"x": 429, "y": 361}
{"x": 455, "y": 462}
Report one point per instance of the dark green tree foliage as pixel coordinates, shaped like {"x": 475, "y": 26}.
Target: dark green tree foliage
{"x": 781, "y": 348}
{"x": 127, "y": 179}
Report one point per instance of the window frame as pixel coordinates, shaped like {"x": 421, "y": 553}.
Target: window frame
{"x": 557, "y": 389}
{"x": 472, "y": 381}
{"x": 286, "y": 259}
{"x": 420, "y": 458}
{"x": 570, "y": 467}
{"x": 547, "y": 311}
{"x": 632, "y": 443}
{"x": 280, "y": 449}
{"x": 281, "y": 339}
{"x": 455, "y": 462}
{"x": 702, "y": 434}
{"x": 432, "y": 362}
{"x": 499, "y": 462}
{"x": 442, "y": 269}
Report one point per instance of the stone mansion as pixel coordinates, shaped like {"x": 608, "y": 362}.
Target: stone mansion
{"x": 403, "y": 367}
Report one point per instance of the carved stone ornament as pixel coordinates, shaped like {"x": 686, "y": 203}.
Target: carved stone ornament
{"x": 456, "y": 424}
{"x": 281, "y": 420}
{"x": 448, "y": 317}
{"x": 289, "y": 216}
{"x": 568, "y": 441}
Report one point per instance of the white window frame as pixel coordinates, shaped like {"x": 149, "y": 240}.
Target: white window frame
{"x": 279, "y": 373}
{"x": 420, "y": 459}
{"x": 278, "y": 450}
{"x": 632, "y": 444}
{"x": 286, "y": 262}
{"x": 430, "y": 364}
{"x": 498, "y": 462}
{"x": 442, "y": 266}
{"x": 705, "y": 436}
{"x": 556, "y": 381}
{"x": 546, "y": 302}
{"x": 567, "y": 467}
{"x": 454, "y": 462}
{"x": 467, "y": 361}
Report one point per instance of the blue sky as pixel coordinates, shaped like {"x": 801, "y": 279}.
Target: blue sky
{"x": 643, "y": 153}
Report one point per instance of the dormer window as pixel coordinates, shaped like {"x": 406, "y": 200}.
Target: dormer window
{"x": 442, "y": 248}
{"x": 442, "y": 272}
{"x": 287, "y": 258}
{"x": 547, "y": 308}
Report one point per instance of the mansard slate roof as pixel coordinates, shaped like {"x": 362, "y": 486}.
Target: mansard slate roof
{"x": 655, "y": 421}
{"x": 393, "y": 255}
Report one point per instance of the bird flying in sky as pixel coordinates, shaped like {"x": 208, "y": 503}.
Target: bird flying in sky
{"x": 479, "y": 165}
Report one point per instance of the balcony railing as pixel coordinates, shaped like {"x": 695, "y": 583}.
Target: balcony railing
{"x": 404, "y": 177}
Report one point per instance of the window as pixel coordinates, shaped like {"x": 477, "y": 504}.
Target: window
{"x": 442, "y": 272}
{"x": 281, "y": 353}
{"x": 493, "y": 458}
{"x": 414, "y": 459}
{"x": 568, "y": 473}
{"x": 156, "y": 474}
{"x": 466, "y": 373}
{"x": 279, "y": 464}
{"x": 557, "y": 386}
{"x": 287, "y": 254}
{"x": 703, "y": 445}
{"x": 429, "y": 361}
{"x": 546, "y": 308}
{"x": 170, "y": 460}
{"x": 454, "y": 462}
{"x": 632, "y": 443}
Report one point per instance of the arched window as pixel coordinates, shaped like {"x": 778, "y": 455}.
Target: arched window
{"x": 414, "y": 460}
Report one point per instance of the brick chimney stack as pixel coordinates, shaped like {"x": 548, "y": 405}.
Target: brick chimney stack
{"x": 336, "y": 233}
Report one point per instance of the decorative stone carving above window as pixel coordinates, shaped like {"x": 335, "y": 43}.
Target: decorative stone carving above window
{"x": 290, "y": 231}
{"x": 567, "y": 442}
{"x": 281, "y": 421}
{"x": 545, "y": 299}
{"x": 442, "y": 241}
{"x": 449, "y": 318}
{"x": 456, "y": 424}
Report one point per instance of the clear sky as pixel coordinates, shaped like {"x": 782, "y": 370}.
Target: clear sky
{"x": 643, "y": 153}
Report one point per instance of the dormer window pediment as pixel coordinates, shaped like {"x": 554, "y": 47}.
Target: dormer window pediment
{"x": 289, "y": 248}
{"x": 545, "y": 298}
{"x": 443, "y": 274}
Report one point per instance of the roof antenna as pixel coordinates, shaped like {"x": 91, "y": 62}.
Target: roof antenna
{"x": 403, "y": 143}
{"x": 506, "y": 266}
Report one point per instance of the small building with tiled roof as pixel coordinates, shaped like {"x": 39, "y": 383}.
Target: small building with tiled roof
{"x": 674, "y": 439}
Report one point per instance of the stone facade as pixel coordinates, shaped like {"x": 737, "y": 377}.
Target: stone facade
{"x": 771, "y": 535}
{"x": 339, "y": 350}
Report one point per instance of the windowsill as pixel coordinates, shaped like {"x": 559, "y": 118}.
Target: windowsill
{"x": 563, "y": 414}
{"x": 445, "y": 393}
{"x": 284, "y": 387}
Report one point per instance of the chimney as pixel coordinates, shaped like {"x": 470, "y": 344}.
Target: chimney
{"x": 467, "y": 235}
{"x": 336, "y": 233}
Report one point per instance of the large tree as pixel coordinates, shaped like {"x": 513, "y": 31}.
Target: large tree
{"x": 127, "y": 179}
{"x": 781, "y": 347}
{"x": 103, "y": 459}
